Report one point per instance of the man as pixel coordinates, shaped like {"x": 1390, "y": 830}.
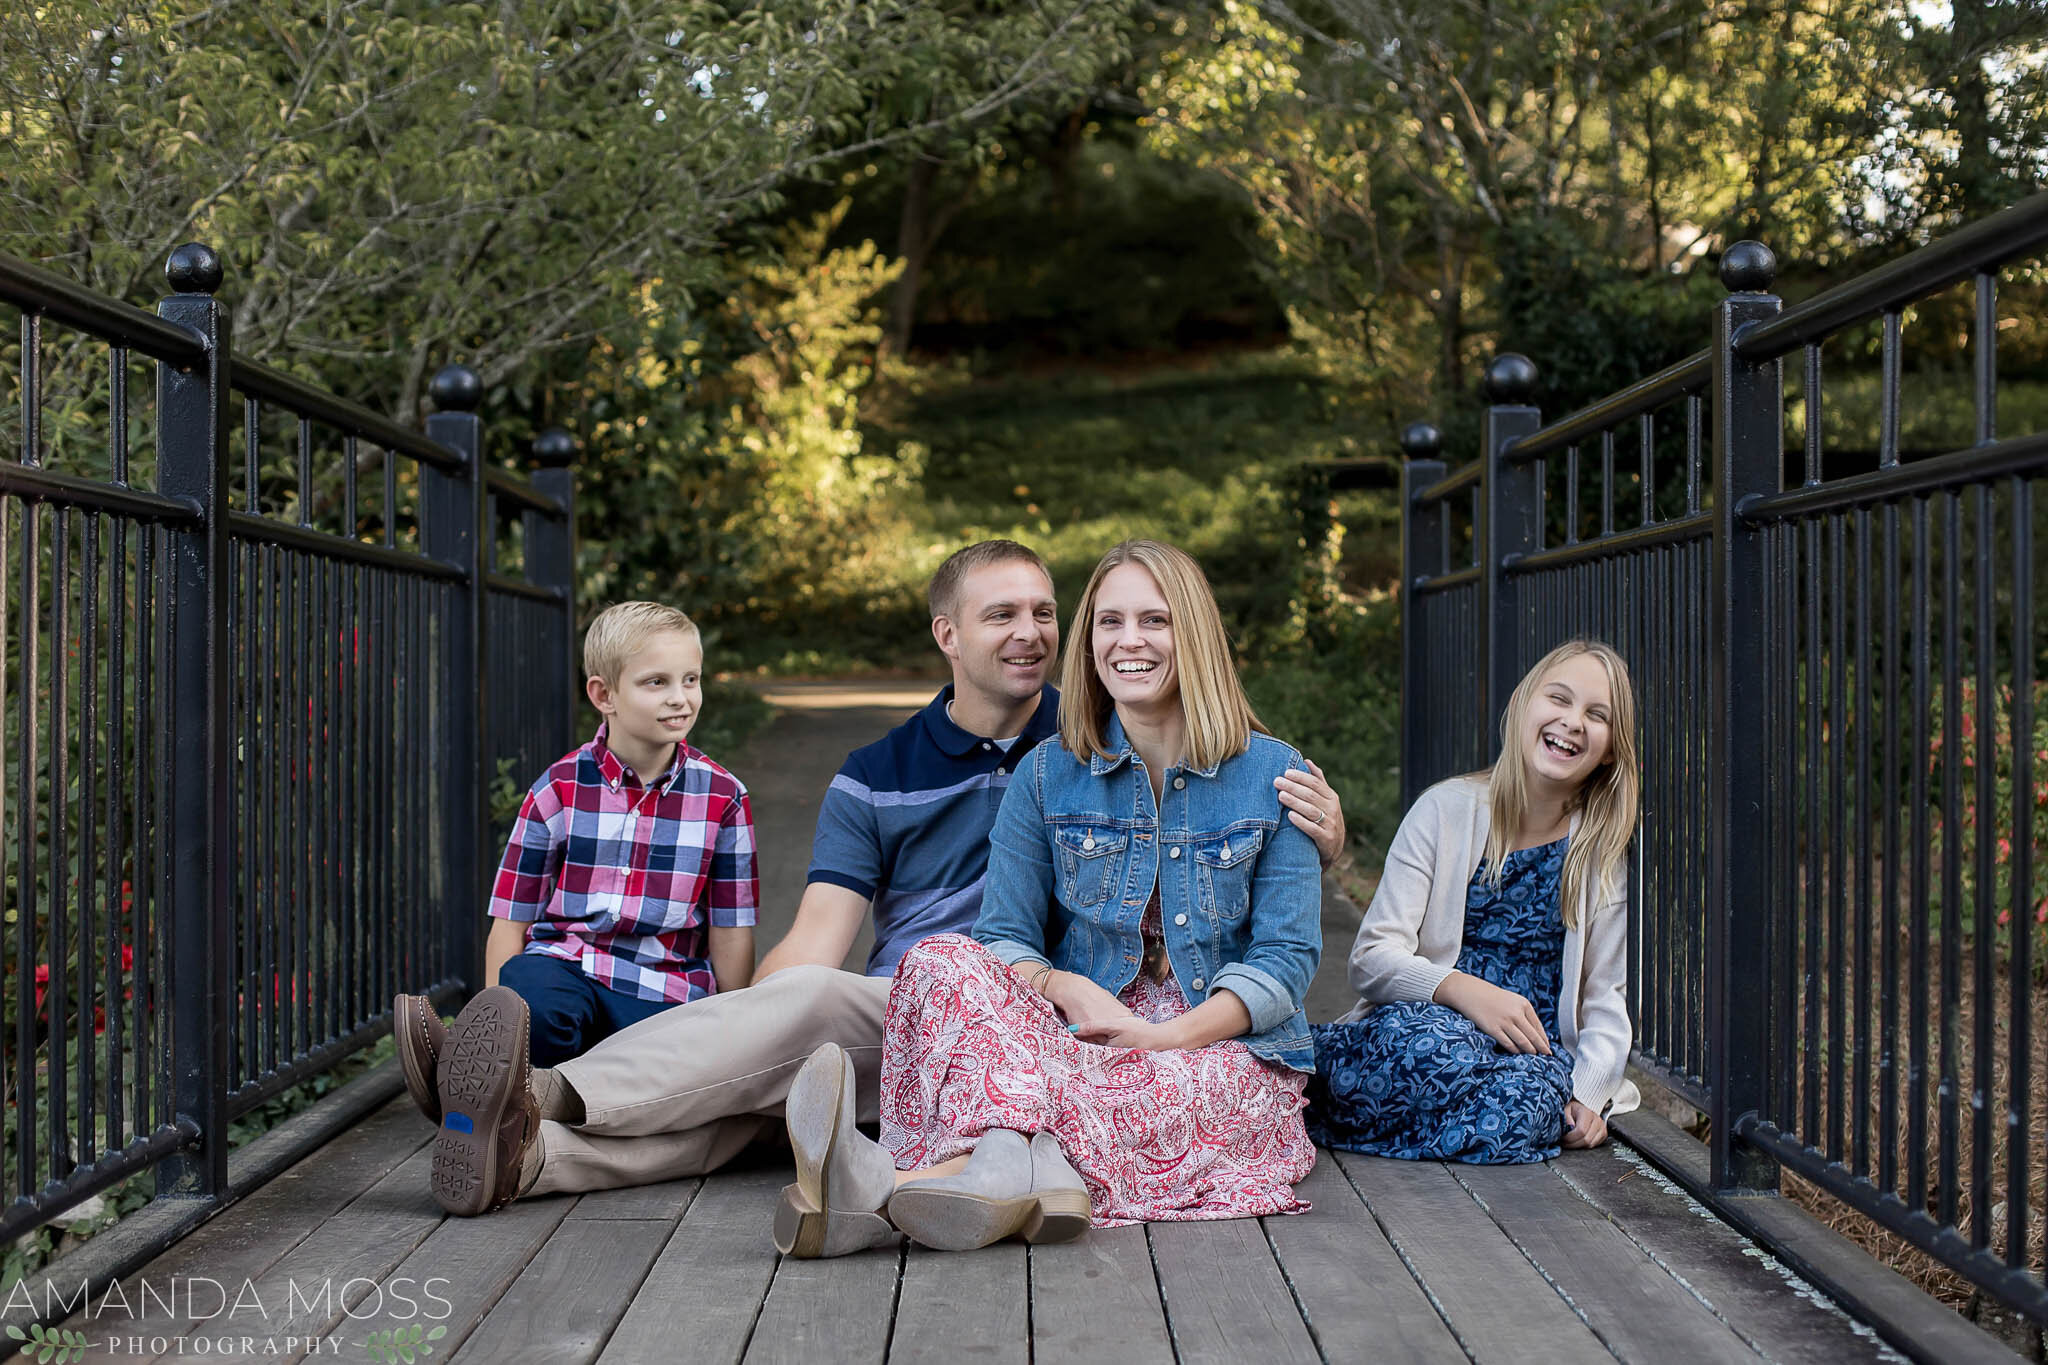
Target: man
{"x": 903, "y": 834}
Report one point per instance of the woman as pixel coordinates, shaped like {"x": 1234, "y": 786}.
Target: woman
{"x": 1492, "y": 966}
{"x": 1131, "y": 1001}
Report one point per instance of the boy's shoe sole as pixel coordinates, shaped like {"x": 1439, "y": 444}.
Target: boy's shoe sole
{"x": 422, "y": 1038}
{"x": 488, "y": 1114}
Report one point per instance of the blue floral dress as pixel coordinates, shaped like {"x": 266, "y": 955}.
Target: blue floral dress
{"x": 1420, "y": 1081}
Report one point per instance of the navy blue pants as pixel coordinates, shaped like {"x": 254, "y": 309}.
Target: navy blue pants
{"x": 571, "y": 1013}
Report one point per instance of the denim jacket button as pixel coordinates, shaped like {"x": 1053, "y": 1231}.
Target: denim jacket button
{"x": 1179, "y": 782}
{"x": 1200, "y": 983}
{"x": 1180, "y": 919}
{"x": 1173, "y": 853}
{"x": 1088, "y": 844}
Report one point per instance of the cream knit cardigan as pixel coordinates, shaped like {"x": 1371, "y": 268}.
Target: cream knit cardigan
{"x": 1410, "y": 939}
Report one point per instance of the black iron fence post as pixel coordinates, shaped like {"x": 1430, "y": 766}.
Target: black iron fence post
{"x": 551, "y": 562}
{"x": 1748, "y": 428}
{"x": 1422, "y": 548}
{"x": 193, "y": 413}
{"x": 1511, "y": 522}
{"x": 452, "y": 503}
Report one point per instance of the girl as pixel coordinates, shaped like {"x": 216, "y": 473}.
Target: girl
{"x": 1492, "y": 1023}
{"x": 1130, "y": 1002}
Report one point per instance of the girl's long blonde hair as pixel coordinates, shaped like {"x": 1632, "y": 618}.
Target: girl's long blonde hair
{"x": 1605, "y": 803}
{"x": 1218, "y": 715}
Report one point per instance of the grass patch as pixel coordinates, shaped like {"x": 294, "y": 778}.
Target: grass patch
{"x": 1072, "y": 462}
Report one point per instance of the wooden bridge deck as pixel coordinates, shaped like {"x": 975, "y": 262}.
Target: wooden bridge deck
{"x": 1588, "y": 1258}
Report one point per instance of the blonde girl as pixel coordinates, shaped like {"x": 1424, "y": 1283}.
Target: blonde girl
{"x": 1492, "y": 1024}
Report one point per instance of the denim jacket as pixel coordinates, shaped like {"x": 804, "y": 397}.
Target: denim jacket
{"x": 1078, "y": 846}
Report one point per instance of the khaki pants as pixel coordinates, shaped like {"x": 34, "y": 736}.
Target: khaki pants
{"x": 681, "y": 1093}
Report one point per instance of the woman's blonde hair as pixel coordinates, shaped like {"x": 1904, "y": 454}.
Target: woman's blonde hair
{"x": 1605, "y": 802}
{"x": 1217, "y": 715}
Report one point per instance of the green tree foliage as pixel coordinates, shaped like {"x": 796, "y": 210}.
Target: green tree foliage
{"x": 394, "y": 184}
{"x": 1436, "y": 181}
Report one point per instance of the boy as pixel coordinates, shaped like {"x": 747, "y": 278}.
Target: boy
{"x": 628, "y": 884}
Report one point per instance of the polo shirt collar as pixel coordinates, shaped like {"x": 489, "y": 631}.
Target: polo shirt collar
{"x": 958, "y": 743}
{"x": 613, "y": 771}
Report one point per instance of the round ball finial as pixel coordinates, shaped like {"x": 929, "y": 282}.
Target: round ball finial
{"x": 193, "y": 268}
{"x": 1748, "y": 268}
{"x": 456, "y": 388}
{"x": 554, "y": 448}
{"x": 1422, "y": 441}
{"x": 1510, "y": 379}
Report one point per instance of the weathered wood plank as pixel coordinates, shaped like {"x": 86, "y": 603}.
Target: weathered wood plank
{"x": 711, "y": 1276}
{"x": 1360, "y": 1301}
{"x": 1873, "y": 1291}
{"x": 1719, "y": 1263}
{"x": 963, "y": 1305}
{"x": 1628, "y": 1299}
{"x": 305, "y": 1292}
{"x": 838, "y": 1310}
{"x": 1097, "y": 1299}
{"x": 453, "y": 1278}
{"x": 1226, "y": 1300}
{"x": 563, "y": 1307}
{"x": 639, "y": 1203}
{"x": 253, "y": 1235}
{"x": 1496, "y": 1302}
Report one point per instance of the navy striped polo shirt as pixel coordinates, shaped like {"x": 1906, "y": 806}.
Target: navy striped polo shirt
{"x": 906, "y": 823}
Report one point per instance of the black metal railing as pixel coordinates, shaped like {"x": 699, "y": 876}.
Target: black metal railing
{"x": 1839, "y": 898}
{"x": 247, "y": 750}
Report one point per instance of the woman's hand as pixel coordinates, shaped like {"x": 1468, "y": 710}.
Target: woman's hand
{"x": 1081, "y": 1001}
{"x": 1313, "y": 806}
{"x": 1132, "y": 1032}
{"x": 1583, "y": 1127}
{"x": 1507, "y": 1018}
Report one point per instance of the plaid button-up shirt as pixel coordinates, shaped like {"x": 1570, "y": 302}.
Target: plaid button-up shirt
{"x": 621, "y": 878}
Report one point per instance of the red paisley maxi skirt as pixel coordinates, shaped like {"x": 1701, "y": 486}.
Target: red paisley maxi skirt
{"x": 1213, "y": 1132}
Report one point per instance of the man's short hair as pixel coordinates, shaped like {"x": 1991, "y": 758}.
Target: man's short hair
{"x": 622, "y": 630}
{"x": 944, "y": 593}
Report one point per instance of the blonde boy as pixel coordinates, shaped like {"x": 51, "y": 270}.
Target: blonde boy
{"x": 628, "y": 884}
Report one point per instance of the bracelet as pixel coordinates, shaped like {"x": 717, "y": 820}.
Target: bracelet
{"x": 1038, "y": 978}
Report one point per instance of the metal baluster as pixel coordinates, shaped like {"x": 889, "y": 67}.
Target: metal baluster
{"x": 31, "y": 388}
{"x": 1648, "y": 429}
{"x": 1949, "y": 1092}
{"x": 1813, "y": 413}
{"x": 1810, "y": 833}
{"x": 2019, "y": 1055}
{"x": 1888, "y": 401}
{"x": 351, "y": 525}
{"x": 268, "y": 738}
{"x": 1888, "y": 906}
{"x": 1920, "y": 901}
{"x": 1864, "y": 785}
{"x": 59, "y": 999}
{"x": 1607, "y": 482}
{"x": 25, "y": 947}
{"x": 1692, "y": 453}
{"x": 1983, "y": 903}
{"x": 118, "y": 723}
{"x": 1838, "y": 957}
{"x": 1984, "y": 359}
{"x": 1571, "y": 494}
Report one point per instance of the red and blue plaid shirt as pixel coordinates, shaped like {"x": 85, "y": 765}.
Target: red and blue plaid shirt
{"x": 621, "y": 878}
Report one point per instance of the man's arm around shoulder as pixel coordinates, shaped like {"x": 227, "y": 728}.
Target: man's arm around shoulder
{"x": 827, "y": 919}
